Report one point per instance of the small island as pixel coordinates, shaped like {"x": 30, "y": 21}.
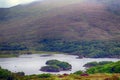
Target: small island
{"x": 56, "y": 66}
{"x": 93, "y": 64}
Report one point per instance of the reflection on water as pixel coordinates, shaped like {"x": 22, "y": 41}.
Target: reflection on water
{"x": 30, "y": 64}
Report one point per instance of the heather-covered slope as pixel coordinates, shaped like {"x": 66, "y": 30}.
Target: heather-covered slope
{"x": 68, "y": 20}
{"x": 61, "y": 20}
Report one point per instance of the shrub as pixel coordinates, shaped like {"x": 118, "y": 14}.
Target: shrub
{"x": 78, "y": 72}
{"x": 5, "y": 74}
{"x": 107, "y": 68}
{"x": 56, "y": 66}
{"x": 51, "y": 68}
{"x": 44, "y": 75}
{"x": 53, "y": 62}
{"x": 64, "y": 66}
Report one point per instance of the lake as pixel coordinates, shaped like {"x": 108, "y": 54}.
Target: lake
{"x": 30, "y": 64}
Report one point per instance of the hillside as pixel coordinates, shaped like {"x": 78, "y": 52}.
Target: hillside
{"x": 62, "y": 20}
{"x": 107, "y": 68}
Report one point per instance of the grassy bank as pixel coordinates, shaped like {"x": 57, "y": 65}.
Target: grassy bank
{"x": 9, "y": 54}
{"x": 70, "y": 77}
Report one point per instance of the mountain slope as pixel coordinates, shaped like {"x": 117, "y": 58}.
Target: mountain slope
{"x": 67, "y": 20}
{"x": 82, "y": 27}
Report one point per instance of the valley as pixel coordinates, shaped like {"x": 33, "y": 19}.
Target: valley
{"x": 83, "y": 35}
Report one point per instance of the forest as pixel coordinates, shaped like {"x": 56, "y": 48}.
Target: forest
{"x": 92, "y": 49}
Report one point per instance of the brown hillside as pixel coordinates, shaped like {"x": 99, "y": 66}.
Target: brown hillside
{"x": 60, "y": 19}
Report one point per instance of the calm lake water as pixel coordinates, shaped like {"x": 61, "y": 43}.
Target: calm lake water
{"x": 30, "y": 64}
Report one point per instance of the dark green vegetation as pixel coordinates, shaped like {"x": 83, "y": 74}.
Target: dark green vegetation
{"x": 82, "y": 27}
{"x": 5, "y": 74}
{"x": 12, "y": 46}
{"x": 51, "y": 68}
{"x": 109, "y": 71}
{"x": 5, "y": 54}
{"x": 79, "y": 72}
{"x": 62, "y": 65}
{"x": 56, "y": 66}
{"x": 88, "y": 29}
{"x": 44, "y": 75}
{"x": 14, "y": 53}
{"x": 94, "y": 49}
{"x": 107, "y": 68}
{"x": 93, "y": 64}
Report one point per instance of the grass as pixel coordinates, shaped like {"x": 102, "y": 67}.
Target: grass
{"x": 39, "y": 52}
{"x": 9, "y": 54}
{"x": 76, "y": 77}
{"x": 90, "y": 77}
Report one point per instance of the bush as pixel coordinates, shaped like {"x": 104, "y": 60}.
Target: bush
{"x": 44, "y": 75}
{"x": 20, "y": 73}
{"x": 78, "y": 72}
{"x": 93, "y": 49}
{"x": 107, "y": 68}
{"x": 51, "y": 68}
{"x": 5, "y": 74}
{"x": 93, "y": 64}
{"x": 56, "y": 66}
{"x": 64, "y": 66}
{"x": 53, "y": 62}
{"x": 60, "y": 64}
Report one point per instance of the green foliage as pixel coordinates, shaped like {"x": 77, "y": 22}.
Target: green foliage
{"x": 92, "y": 64}
{"x": 51, "y": 68}
{"x": 61, "y": 65}
{"x": 94, "y": 49}
{"x": 44, "y": 75}
{"x": 64, "y": 66}
{"x": 104, "y": 62}
{"x": 5, "y": 74}
{"x": 20, "y": 73}
{"x": 78, "y": 72}
{"x": 12, "y": 46}
{"x": 107, "y": 68}
{"x": 56, "y": 66}
{"x": 53, "y": 62}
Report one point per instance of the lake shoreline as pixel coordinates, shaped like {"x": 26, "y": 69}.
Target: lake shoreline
{"x": 33, "y": 62}
{"x": 10, "y": 54}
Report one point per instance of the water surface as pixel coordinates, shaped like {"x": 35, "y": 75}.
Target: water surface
{"x": 30, "y": 64}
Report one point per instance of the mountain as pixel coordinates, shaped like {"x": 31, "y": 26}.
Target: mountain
{"x": 64, "y": 20}
{"x": 61, "y": 19}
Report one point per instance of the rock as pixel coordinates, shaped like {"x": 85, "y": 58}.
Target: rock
{"x": 80, "y": 57}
